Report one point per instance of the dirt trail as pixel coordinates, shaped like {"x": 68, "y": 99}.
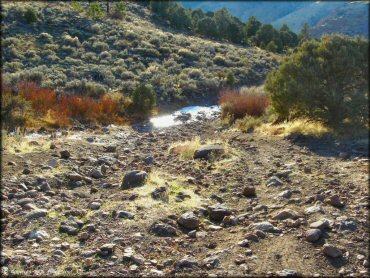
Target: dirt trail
{"x": 308, "y": 180}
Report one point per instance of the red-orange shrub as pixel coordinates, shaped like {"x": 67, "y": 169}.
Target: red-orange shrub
{"x": 237, "y": 105}
{"x": 42, "y": 99}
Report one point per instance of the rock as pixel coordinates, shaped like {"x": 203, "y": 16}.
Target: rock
{"x": 264, "y": 226}
{"x": 217, "y": 212}
{"x": 192, "y": 234}
{"x": 149, "y": 160}
{"x": 212, "y": 262}
{"x": 161, "y": 229}
{"x": 24, "y": 201}
{"x": 320, "y": 224}
{"x": 53, "y": 163}
{"x": 274, "y": 181}
{"x": 314, "y": 209}
{"x": 285, "y": 194}
{"x": 189, "y": 220}
{"x": 251, "y": 237}
{"x": 344, "y": 223}
{"x": 335, "y": 201}
{"x": 187, "y": 262}
{"x": 65, "y": 154}
{"x": 96, "y": 174}
{"x": 313, "y": 235}
{"x": 214, "y": 228}
{"x": 137, "y": 259}
{"x": 286, "y": 214}
{"x": 134, "y": 179}
{"x": 287, "y": 273}
{"x": 59, "y": 253}
{"x": 84, "y": 236}
{"x": 95, "y": 205}
{"x": 26, "y": 171}
{"x": 75, "y": 177}
{"x": 260, "y": 234}
{"x": 159, "y": 192}
{"x": 125, "y": 215}
{"x": 331, "y": 251}
{"x": 249, "y": 191}
{"x": 244, "y": 243}
{"x": 38, "y": 234}
{"x": 110, "y": 149}
{"x": 230, "y": 220}
{"x": 45, "y": 187}
{"x": 107, "y": 249}
{"x": 207, "y": 151}
{"x": 37, "y": 214}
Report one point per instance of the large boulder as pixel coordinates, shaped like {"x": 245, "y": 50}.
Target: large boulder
{"x": 134, "y": 179}
{"x": 207, "y": 151}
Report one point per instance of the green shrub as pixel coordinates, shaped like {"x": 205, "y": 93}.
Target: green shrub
{"x": 230, "y": 79}
{"x": 119, "y": 10}
{"x": 144, "y": 100}
{"x": 87, "y": 88}
{"x": 14, "y": 109}
{"x": 76, "y": 7}
{"x": 324, "y": 80}
{"x": 30, "y": 15}
{"x": 95, "y": 11}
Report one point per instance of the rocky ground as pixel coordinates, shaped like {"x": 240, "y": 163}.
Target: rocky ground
{"x": 71, "y": 205}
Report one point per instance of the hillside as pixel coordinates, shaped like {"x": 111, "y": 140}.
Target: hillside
{"x": 295, "y": 14}
{"x": 65, "y": 47}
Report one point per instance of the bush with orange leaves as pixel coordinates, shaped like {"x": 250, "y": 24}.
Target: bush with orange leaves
{"x": 63, "y": 111}
{"x": 247, "y": 101}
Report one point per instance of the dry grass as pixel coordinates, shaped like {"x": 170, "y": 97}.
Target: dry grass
{"x": 298, "y": 126}
{"x": 187, "y": 148}
{"x": 250, "y": 101}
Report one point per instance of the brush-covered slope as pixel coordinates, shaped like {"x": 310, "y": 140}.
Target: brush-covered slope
{"x": 65, "y": 47}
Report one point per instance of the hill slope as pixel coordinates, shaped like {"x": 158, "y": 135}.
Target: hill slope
{"x": 64, "y": 47}
{"x": 320, "y": 13}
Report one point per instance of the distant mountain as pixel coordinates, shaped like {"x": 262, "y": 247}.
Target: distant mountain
{"x": 345, "y": 17}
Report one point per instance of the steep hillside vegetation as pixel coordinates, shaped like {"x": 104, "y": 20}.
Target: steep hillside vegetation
{"x": 67, "y": 50}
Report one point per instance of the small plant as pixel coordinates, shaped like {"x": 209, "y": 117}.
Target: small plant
{"x": 95, "y": 11}
{"x": 230, "y": 79}
{"x": 76, "y": 6}
{"x": 30, "y": 15}
{"x": 119, "y": 10}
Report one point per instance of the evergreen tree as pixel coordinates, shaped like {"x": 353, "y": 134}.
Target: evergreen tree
{"x": 304, "y": 34}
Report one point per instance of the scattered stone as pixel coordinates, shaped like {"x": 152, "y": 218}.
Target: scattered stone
{"x": 264, "y": 226}
{"x": 211, "y": 262}
{"x": 335, "y": 201}
{"x": 230, "y": 220}
{"x": 125, "y": 215}
{"x": 107, "y": 249}
{"x": 206, "y": 152}
{"x": 96, "y": 174}
{"x": 244, "y": 243}
{"x": 251, "y": 237}
{"x": 65, "y": 154}
{"x": 320, "y": 224}
{"x": 314, "y": 209}
{"x": 37, "y": 213}
{"x": 161, "y": 229}
{"x": 285, "y": 194}
{"x": 313, "y": 235}
{"x": 286, "y": 214}
{"x": 38, "y": 235}
{"x": 249, "y": 191}
{"x": 274, "y": 181}
{"x": 287, "y": 273}
{"x": 217, "y": 212}
{"x": 59, "y": 253}
{"x": 95, "y": 205}
{"x": 110, "y": 149}
{"x": 84, "y": 236}
{"x": 45, "y": 187}
{"x": 189, "y": 220}
{"x": 331, "y": 251}
{"x": 134, "y": 179}
{"x": 214, "y": 228}
{"x": 75, "y": 177}
{"x": 187, "y": 262}
{"x": 159, "y": 192}
{"x": 53, "y": 163}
